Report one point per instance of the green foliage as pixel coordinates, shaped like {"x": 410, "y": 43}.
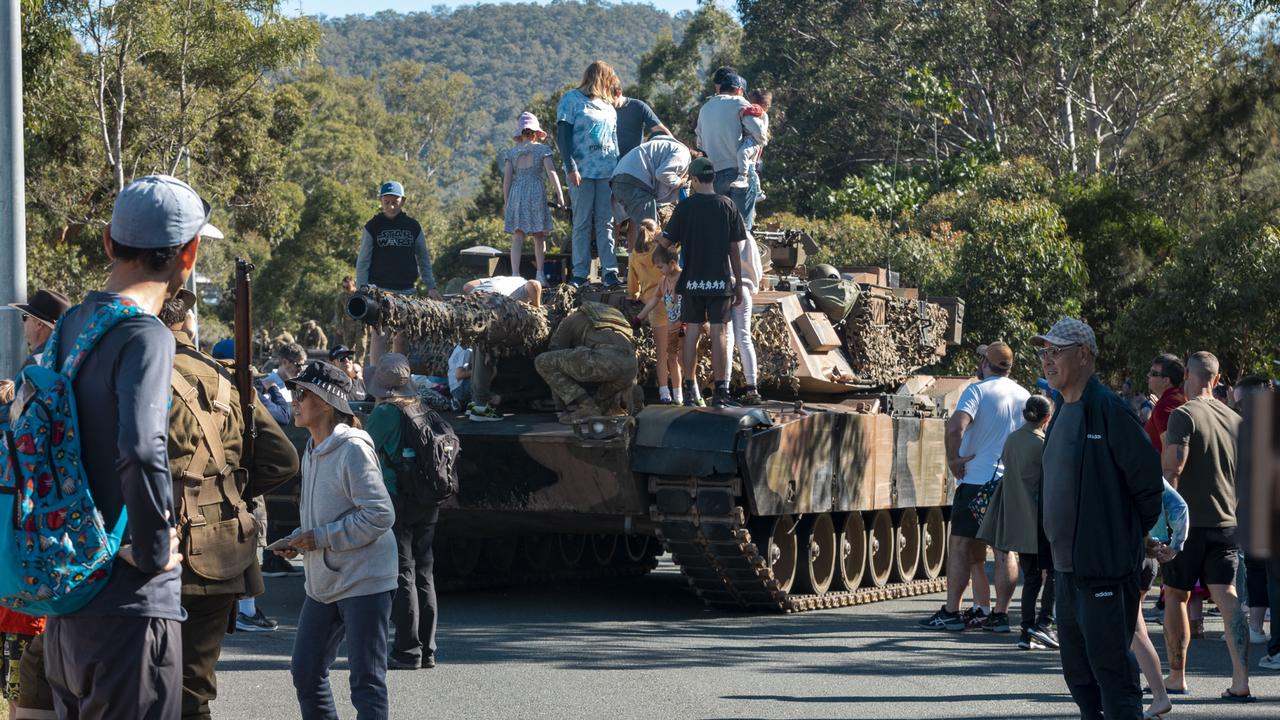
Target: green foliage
{"x": 1216, "y": 293}
{"x": 1123, "y": 241}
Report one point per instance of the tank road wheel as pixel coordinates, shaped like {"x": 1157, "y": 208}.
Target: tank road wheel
{"x": 853, "y": 551}
{"x": 500, "y": 553}
{"x": 780, "y": 552}
{"x": 933, "y": 543}
{"x": 603, "y": 548}
{"x": 536, "y": 552}
{"x": 572, "y": 547}
{"x": 880, "y": 547}
{"x": 906, "y": 551}
{"x": 818, "y": 554}
{"x": 635, "y": 547}
{"x": 464, "y": 556}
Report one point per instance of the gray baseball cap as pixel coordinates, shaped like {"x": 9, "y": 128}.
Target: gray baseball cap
{"x": 1069, "y": 331}
{"x": 159, "y": 211}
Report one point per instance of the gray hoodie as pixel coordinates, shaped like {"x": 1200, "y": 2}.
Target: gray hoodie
{"x": 346, "y": 504}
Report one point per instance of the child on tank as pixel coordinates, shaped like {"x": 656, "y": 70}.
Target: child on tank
{"x": 524, "y": 190}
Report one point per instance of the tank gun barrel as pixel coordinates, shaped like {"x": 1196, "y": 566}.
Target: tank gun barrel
{"x": 489, "y": 320}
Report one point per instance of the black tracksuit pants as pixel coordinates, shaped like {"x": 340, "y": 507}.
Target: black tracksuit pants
{"x": 1095, "y": 627}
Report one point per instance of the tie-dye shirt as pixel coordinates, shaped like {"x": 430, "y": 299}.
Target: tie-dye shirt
{"x": 595, "y": 134}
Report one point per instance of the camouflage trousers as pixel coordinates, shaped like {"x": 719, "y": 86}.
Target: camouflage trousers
{"x": 612, "y": 369}
{"x": 353, "y": 336}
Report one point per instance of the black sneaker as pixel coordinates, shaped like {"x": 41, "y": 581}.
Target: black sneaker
{"x": 611, "y": 279}
{"x": 394, "y": 663}
{"x": 722, "y": 399}
{"x": 255, "y": 623}
{"x": 974, "y": 617}
{"x": 274, "y": 566}
{"x": 1028, "y": 642}
{"x": 996, "y": 622}
{"x": 428, "y": 662}
{"x": 943, "y": 620}
{"x": 1044, "y": 634}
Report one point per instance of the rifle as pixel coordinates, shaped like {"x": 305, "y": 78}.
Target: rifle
{"x": 244, "y": 357}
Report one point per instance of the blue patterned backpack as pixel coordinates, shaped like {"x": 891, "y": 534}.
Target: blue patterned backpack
{"x": 56, "y": 551}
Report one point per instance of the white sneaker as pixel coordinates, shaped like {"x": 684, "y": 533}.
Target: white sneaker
{"x": 1256, "y": 638}
{"x": 1270, "y": 662}
{"x": 740, "y": 182}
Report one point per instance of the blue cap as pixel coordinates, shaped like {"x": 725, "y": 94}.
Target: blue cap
{"x": 224, "y": 349}
{"x": 391, "y": 187}
{"x": 733, "y": 80}
{"x": 158, "y": 211}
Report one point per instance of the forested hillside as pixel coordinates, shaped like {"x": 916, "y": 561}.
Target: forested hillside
{"x": 511, "y": 52}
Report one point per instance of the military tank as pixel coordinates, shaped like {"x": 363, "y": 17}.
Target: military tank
{"x": 833, "y": 492}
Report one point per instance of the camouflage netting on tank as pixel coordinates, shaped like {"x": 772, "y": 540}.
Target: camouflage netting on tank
{"x": 886, "y": 354}
{"x": 776, "y": 360}
{"x": 505, "y": 326}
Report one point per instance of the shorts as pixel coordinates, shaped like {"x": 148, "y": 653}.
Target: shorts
{"x": 636, "y": 201}
{"x": 15, "y": 645}
{"x": 715, "y": 309}
{"x": 1147, "y": 575}
{"x": 963, "y": 523}
{"x": 1210, "y": 555}
{"x": 36, "y": 693}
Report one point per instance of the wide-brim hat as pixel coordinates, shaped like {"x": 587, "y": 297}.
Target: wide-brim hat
{"x": 391, "y": 378}
{"x": 46, "y": 306}
{"x": 528, "y": 121}
{"x": 328, "y": 382}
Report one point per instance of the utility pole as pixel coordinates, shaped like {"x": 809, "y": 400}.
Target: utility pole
{"x": 13, "y": 215}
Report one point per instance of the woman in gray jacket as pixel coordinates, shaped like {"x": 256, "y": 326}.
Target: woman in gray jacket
{"x": 348, "y": 552}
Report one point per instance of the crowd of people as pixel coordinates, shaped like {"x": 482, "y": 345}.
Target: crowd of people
{"x": 1068, "y": 487}
{"x": 1097, "y": 503}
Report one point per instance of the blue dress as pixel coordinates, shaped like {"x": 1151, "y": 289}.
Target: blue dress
{"x": 527, "y": 209}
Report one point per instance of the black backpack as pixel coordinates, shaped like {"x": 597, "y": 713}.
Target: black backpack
{"x": 430, "y": 476}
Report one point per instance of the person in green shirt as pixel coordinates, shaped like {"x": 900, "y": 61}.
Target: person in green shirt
{"x": 413, "y": 609}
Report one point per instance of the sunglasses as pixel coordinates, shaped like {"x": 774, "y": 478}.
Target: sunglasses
{"x": 1052, "y": 352}
{"x": 1155, "y": 373}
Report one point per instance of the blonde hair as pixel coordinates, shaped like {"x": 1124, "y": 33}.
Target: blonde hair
{"x": 646, "y": 231}
{"x": 600, "y": 81}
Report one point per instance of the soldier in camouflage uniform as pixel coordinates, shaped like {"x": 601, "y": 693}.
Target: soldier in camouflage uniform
{"x": 591, "y": 345}
{"x": 346, "y": 330}
{"x": 218, "y": 532}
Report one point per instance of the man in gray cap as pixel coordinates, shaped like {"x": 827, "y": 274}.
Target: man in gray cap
{"x": 122, "y": 650}
{"x": 393, "y": 255}
{"x": 1101, "y": 492}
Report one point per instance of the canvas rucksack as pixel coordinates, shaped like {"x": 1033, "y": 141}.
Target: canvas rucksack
{"x": 427, "y": 473}
{"x": 217, "y": 532}
{"x": 57, "y": 553}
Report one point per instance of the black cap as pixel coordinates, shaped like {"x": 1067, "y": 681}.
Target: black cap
{"x": 45, "y": 305}
{"x": 340, "y": 351}
{"x": 327, "y": 381}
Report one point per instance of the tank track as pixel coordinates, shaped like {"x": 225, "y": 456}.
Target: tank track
{"x": 701, "y": 524}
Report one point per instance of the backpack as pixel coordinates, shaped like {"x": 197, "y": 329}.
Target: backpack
{"x": 57, "y": 554}
{"x": 218, "y": 535}
{"x": 426, "y": 472}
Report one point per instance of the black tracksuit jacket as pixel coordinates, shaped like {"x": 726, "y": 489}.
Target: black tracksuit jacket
{"x": 1119, "y": 492}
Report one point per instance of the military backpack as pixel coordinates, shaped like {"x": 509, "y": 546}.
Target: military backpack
{"x": 218, "y": 534}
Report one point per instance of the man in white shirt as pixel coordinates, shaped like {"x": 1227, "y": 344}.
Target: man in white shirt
{"x": 484, "y": 364}
{"x": 987, "y": 412}
{"x": 719, "y": 133}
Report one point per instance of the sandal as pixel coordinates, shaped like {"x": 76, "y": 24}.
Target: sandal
{"x": 1232, "y": 697}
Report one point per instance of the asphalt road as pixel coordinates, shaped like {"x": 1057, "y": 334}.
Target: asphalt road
{"x": 645, "y": 648}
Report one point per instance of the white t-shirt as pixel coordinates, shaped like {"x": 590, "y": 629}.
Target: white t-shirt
{"x": 459, "y": 357}
{"x": 508, "y": 285}
{"x": 995, "y": 404}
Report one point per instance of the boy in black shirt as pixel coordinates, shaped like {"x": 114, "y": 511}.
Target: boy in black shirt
{"x": 708, "y": 228}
